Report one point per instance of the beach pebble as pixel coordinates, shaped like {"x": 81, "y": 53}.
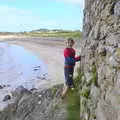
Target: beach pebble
{"x": 7, "y": 97}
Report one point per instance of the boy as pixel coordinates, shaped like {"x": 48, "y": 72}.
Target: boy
{"x": 70, "y": 59}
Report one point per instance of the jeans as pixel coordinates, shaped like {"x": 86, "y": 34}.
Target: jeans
{"x": 68, "y": 72}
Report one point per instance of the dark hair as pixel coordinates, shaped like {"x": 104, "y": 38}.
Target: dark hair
{"x": 70, "y": 40}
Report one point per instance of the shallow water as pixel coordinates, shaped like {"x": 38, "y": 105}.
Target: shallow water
{"x": 20, "y": 67}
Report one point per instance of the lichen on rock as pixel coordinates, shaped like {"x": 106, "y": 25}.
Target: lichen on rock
{"x": 101, "y": 25}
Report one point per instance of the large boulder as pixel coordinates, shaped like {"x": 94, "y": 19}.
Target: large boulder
{"x": 101, "y": 27}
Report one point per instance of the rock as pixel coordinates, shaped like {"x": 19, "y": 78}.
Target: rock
{"x": 97, "y": 30}
{"x": 6, "y": 98}
{"x": 117, "y": 10}
{"x": 19, "y": 91}
{"x": 1, "y": 87}
{"x": 101, "y": 27}
{"x": 102, "y": 50}
{"x": 39, "y": 105}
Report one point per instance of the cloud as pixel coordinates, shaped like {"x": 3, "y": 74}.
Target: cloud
{"x": 13, "y": 19}
{"x": 75, "y": 2}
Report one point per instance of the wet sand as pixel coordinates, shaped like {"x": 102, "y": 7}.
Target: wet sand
{"x": 47, "y": 49}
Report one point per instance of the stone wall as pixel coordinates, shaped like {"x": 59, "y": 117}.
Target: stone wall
{"x": 100, "y": 84}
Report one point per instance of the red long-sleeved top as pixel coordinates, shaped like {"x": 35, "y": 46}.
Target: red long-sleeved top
{"x": 70, "y": 59}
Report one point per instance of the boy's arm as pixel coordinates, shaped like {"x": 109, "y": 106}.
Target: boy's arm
{"x": 68, "y": 59}
{"x": 78, "y": 58}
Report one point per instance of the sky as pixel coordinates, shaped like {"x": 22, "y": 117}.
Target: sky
{"x": 27, "y": 15}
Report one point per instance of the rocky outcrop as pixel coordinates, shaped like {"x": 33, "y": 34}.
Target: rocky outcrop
{"x": 100, "y": 84}
{"x": 35, "y": 105}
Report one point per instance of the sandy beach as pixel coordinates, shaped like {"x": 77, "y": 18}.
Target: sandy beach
{"x": 46, "y": 49}
{"x": 49, "y": 50}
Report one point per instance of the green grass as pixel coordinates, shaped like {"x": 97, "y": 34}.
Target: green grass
{"x": 74, "y": 34}
{"x": 73, "y": 99}
{"x": 65, "y": 34}
{"x": 73, "y": 105}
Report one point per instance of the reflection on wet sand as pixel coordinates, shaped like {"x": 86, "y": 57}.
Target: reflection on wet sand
{"x": 20, "y": 67}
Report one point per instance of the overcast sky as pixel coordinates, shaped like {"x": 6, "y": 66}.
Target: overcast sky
{"x": 26, "y": 15}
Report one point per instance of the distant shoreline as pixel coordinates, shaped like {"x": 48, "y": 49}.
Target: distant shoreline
{"x": 47, "y": 33}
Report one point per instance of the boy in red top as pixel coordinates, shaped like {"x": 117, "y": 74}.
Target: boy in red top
{"x": 70, "y": 60}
